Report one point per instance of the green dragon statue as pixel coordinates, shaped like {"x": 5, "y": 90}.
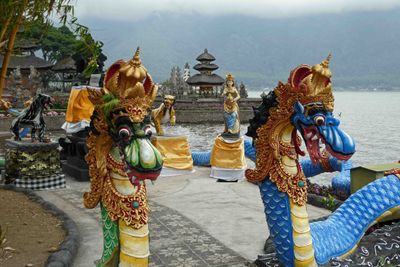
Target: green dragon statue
{"x": 120, "y": 158}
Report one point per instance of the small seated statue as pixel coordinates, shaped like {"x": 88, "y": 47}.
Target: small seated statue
{"x": 164, "y": 113}
{"x": 174, "y": 149}
{"x": 32, "y": 117}
{"x": 231, "y": 108}
{"x": 5, "y": 105}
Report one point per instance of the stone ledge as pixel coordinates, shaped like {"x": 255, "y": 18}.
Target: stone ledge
{"x": 195, "y": 116}
{"x": 29, "y": 146}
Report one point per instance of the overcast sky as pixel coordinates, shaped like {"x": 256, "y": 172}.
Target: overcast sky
{"x": 139, "y": 9}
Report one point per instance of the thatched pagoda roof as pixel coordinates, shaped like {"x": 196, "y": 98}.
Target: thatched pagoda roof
{"x": 24, "y": 62}
{"x": 202, "y": 66}
{"x": 205, "y": 56}
{"x": 201, "y": 79}
{"x": 26, "y": 44}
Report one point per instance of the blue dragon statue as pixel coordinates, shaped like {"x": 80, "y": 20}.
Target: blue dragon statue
{"x": 304, "y": 105}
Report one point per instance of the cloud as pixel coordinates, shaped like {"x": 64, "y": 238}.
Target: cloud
{"x": 130, "y": 10}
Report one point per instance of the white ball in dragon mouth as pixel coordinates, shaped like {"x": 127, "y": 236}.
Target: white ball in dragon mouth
{"x": 146, "y": 152}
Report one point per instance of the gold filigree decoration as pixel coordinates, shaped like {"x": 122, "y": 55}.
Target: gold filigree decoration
{"x": 271, "y": 149}
{"x": 99, "y": 146}
{"x": 136, "y": 108}
{"x": 312, "y": 87}
{"x": 119, "y": 206}
{"x": 230, "y": 77}
{"x": 128, "y": 80}
{"x": 317, "y": 86}
{"x": 395, "y": 171}
{"x": 115, "y": 166}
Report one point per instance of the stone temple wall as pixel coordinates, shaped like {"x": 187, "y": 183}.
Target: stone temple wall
{"x": 187, "y": 111}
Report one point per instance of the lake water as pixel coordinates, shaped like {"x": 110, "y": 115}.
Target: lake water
{"x": 371, "y": 118}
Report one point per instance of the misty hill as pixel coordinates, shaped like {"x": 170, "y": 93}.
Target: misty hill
{"x": 259, "y": 51}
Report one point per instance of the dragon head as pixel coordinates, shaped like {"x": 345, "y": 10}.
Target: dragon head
{"x": 45, "y": 101}
{"x": 304, "y": 104}
{"x": 169, "y": 101}
{"x": 122, "y": 113}
{"x": 313, "y": 116}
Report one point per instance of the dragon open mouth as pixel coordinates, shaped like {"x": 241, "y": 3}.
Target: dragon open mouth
{"x": 135, "y": 174}
{"x": 142, "y": 161}
{"x": 47, "y": 105}
{"x": 316, "y": 143}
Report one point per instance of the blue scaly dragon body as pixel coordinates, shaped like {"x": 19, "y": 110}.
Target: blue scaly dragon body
{"x": 304, "y": 105}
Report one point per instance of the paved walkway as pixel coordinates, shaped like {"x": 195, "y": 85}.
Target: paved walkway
{"x": 194, "y": 221}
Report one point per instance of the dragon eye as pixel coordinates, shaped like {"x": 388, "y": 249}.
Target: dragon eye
{"x": 124, "y": 133}
{"x": 319, "y": 120}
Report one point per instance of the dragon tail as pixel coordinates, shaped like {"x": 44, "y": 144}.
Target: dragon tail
{"x": 340, "y": 233}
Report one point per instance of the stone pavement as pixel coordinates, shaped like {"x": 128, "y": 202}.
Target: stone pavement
{"x": 194, "y": 221}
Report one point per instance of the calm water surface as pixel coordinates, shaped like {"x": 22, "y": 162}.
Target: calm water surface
{"x": 371, "y": 118}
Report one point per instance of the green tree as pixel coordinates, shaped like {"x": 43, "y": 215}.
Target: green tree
{"x": 55, "y": 43}
{"x": 58, "y": 43}
{"x": 25, "y": 13}
{"x": 90, "y": 51}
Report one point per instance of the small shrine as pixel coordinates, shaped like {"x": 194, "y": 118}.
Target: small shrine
{"x": 205, "y": 80}
{"x": 68, "y": 70}
{"x": 24, "y": 59}
{"x": 24, "y": 72}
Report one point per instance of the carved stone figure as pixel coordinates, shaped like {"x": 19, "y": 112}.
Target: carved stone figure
{"x": 243, "y": 91}
{"x": 33, "y": 117}
{"x": 5, "y": 105}
{"x": 231, "y": 108}
{"x": 165, "y": 113}
{"x": 34, "y": 80}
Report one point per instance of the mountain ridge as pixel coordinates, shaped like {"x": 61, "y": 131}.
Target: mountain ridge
{"x": 260, "y": 51}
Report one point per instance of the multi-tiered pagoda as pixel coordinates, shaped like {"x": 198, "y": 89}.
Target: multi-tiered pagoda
{"x": 205, "y": 80}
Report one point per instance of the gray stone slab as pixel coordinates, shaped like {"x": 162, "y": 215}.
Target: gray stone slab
{"x": 193, "y": 218}
{"x": 233, "y": 213}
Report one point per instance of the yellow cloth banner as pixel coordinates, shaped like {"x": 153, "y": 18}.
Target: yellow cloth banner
{"x": 175, "y": 151}
{"x": 79, "y": 106}
{"x": 227, "y": 154}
